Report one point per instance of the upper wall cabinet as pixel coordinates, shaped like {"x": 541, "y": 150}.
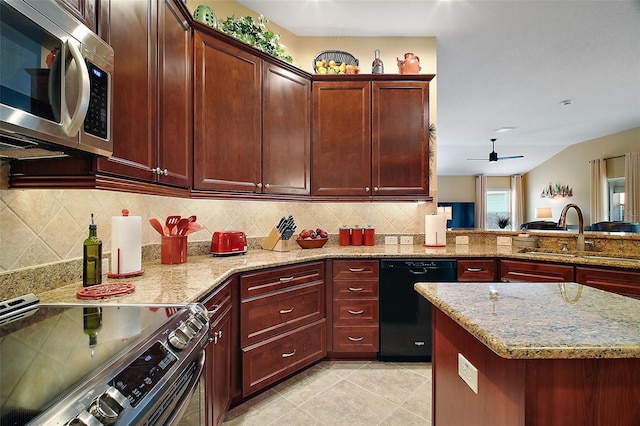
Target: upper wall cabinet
{"x": 152, "y": 130}
{"x": 371, "y": 137}
{"x": 251, "y": 122}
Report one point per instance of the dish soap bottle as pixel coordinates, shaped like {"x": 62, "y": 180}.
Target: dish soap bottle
{"x": 92, "y": 324}
{"x": 92, "y": 257}
{"x": 377, "y": 67}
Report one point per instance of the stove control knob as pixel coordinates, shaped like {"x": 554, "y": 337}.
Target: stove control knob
{"x": 178, "y": 339}
{"x": 194, "y": 324}
{"x": 84, "y": 419}
{"x": 108, "y": 406}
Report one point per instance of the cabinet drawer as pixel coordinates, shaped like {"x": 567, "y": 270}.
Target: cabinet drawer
{"x": 520, "y": 271}
{"x": 356, "y": 339}
{"x": 273, "y": 359}
{"x": 355, "y": 269}
{"x": 218, "y": 302}
{"x": 267, "y": 316}
{"x": 267, "y": 281}
{"x": 626, "y": 283}
{"x": 355, "y": 312}
{"x": 477, "y": 270}
{"x": 355, "y": 288}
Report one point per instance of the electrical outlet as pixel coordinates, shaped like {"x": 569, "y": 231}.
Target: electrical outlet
{"x": 406, "y": 240}
{"x": 391, "y": 240}
{"x": 462, "y": 240}
{"x": 468, "y": 372}
{"x": 105, "y": 266}
{"x": 504, "y": 241}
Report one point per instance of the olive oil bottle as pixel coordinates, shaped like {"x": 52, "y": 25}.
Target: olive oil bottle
{"x": 92, "y": 257}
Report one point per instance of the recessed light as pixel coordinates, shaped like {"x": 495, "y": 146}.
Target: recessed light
{"x": 504, "y": 129}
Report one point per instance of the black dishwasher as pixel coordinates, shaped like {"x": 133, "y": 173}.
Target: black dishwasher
{"x": 405, "y": 316}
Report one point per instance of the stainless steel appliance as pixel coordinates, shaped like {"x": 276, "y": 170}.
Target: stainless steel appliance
{"x": 55, "y": 83}
{"x": 98, "y": 363}
{"x": 405, "y": 316}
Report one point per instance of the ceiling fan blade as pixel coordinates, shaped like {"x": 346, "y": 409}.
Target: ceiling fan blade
{"x": 510, "y": 157}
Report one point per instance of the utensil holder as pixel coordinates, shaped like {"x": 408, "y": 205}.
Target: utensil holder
{"x": 173, "y": 249}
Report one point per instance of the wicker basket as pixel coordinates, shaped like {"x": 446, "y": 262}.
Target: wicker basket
{"x": 339, "y": 56}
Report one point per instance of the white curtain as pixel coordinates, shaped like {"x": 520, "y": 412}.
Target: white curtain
{"x": 599, "y": 201}
{"x": 517, "y": 203}
{"x": 632, "y": 186}
{"x": 481, "y": 201}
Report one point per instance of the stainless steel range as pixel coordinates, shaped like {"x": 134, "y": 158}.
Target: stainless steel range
{"x": 98, "y": 363}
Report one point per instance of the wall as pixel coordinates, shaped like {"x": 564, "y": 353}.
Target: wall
{"x": 456, "y": 188}
{"x": 571, "y": 167}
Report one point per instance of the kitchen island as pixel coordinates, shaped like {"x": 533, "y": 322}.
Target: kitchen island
{"x": 545, "y": 353}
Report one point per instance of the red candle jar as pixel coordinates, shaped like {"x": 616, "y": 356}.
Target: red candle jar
{"x": 344, "y": 236}
{"x": 369, "y": 237}
{"x": 356, "y": 236}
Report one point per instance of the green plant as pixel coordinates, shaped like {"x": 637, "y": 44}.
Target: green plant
{"x": 256, "y": 33}
{"x": 503, "y": 221}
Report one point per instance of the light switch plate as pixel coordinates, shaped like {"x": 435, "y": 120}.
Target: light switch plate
{"x": 462, "y": 240}
{"x": 391, "y": 240}
{"x": 468, "y": 372}
{"x": 406, "y": 240}
{"x": 504, "y": 241}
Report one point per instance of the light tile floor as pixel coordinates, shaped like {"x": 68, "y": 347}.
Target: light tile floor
{"x": 348, "y": 393}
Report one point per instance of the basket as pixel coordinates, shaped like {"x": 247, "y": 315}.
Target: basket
{"x": 339, "y": 56}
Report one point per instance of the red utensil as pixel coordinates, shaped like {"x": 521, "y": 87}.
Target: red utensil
{"x": 171, "y": 223}
{"x": 193, "y": 227}
{"x": 181, "y": 226}
{"x": 156, "y": 225}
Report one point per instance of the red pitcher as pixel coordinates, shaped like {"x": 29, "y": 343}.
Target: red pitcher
{"x": 410, "y": 64}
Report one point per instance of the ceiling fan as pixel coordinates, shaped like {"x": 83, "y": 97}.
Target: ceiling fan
{"x": 493, "y": 155}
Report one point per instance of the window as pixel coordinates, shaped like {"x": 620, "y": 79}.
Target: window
{"x": 616, "y": 198}
{"x": 498, "y": 207}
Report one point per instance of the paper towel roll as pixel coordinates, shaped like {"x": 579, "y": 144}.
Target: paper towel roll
{"x": 435, "y": 230}
{"x": 126, "y": 244}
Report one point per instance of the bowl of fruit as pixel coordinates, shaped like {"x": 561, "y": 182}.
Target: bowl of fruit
{"x": 310, "y": 238}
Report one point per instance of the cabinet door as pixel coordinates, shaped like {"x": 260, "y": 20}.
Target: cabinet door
{"x": 83, "y": 10}
{"x": 220, "y": 364}
{"x": 341, "y": 148}
{"x": 400, "y": 138}
{"x": 227, "y": 117}
{"x": 286, "y": 132}
{"x": 132, "y": 34}
{"x": 174, "y": 90}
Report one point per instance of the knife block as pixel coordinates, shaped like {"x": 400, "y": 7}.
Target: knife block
{"x": 273, "y": 242}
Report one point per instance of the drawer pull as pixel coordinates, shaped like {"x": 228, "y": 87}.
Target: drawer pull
{"x": 289, "y": 354}
{"x": 213, "y": 310}
{"x": 356, "y": 339}
{"x": 356, "y": 288}
{"x": 474, "y": 269}
{"x": 287, "y": 311}
{"x": 356, "y": 269}
{"x": 361, "y": 311}
{"x": 286, "y": 279}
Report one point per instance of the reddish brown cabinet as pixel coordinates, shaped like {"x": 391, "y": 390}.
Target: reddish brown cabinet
{"x": 252, "y": 121}
{"x": 86, "y": 11}
{"x": 355, "y": 308}
{"x": 374, "y": 132}
{"x": 282, "y": 323}
{"x": 152, "y": 130}
{"x": 624, "y": 282}
{"x": 476, "y": 270}
{"x": 522, "y": 271}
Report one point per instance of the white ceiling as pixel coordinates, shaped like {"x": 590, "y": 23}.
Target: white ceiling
{"x": 503, "y": 63}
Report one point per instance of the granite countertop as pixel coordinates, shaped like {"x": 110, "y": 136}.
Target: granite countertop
{"x": 542, "y": 320}
{"x": 191, "y": 281}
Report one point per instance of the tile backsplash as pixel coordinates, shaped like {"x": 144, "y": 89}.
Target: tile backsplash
{"x": 44, "y": 226}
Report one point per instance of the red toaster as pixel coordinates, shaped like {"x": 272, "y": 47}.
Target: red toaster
{"x": 228, "y": 242}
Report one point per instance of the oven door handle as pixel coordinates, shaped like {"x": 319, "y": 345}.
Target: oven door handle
{"x": 183, "y": 403}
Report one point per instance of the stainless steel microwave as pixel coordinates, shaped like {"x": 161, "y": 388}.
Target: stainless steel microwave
{"x": 55, "y": 83}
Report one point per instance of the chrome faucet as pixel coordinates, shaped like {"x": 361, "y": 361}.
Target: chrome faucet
{"x": 563, "y": 219}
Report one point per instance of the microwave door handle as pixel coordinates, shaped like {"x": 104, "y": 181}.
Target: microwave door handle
{"x": 55, "y": 87}
{"x": 72, "y": 124}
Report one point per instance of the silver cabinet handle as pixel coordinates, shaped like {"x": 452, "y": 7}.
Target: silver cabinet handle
{"x": 287, "y": 311}
{"x": 367, "y": 189}
{"x": 267, "y": 185}
{"x": 361, "y": 311}
{"x": 356, "y": 288}
{"x": 286, "y": 279}
{"x": 356, "y": 269}
{"x": 259, "y": 184}
{"x": 376, "y": 189}
{"x": 474, "y": 269}
{"x": 214, "y": 309}
{"x": 289, "y": 354}
{"x": 356, "y": 339}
